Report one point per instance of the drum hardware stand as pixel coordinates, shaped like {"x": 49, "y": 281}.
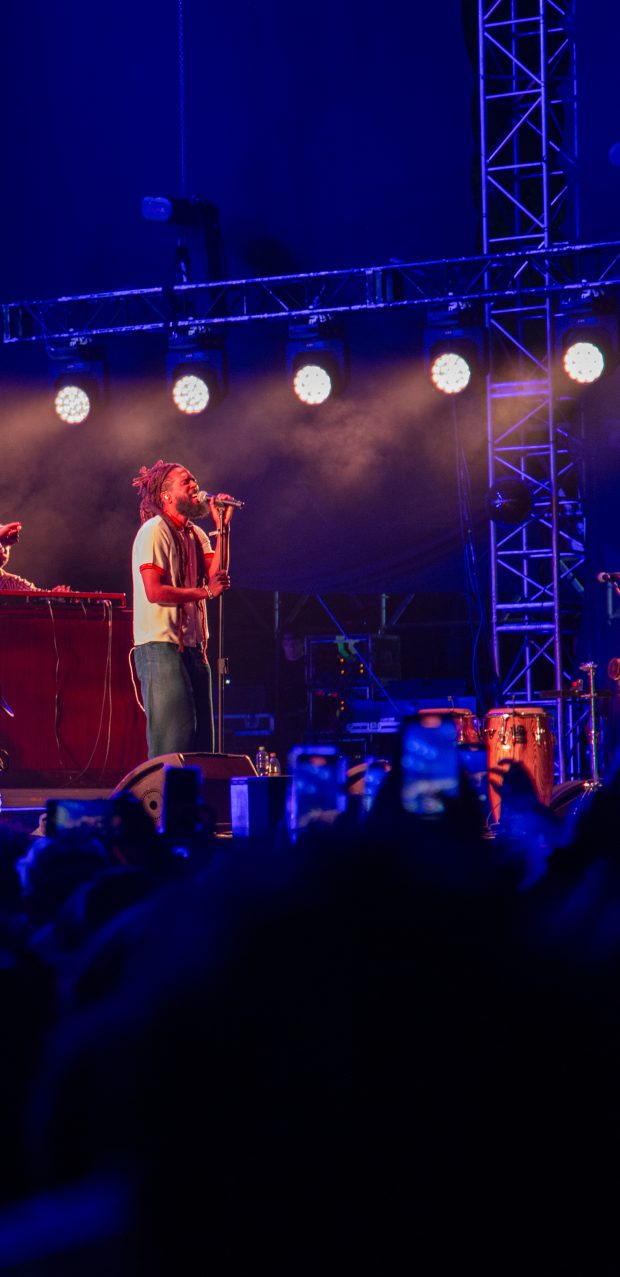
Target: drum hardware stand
{"x": 4, "y": 755}
{"x": 594, "y": 782}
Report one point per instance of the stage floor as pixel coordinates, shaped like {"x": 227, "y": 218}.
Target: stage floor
{"x": 14, "y": 798}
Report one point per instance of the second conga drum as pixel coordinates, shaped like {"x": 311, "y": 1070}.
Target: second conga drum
{"x": 466, "y": 729}
{"x": 519, "y": 734}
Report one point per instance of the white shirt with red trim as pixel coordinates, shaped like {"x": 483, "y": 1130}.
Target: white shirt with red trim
{"x": 155, "y": 546}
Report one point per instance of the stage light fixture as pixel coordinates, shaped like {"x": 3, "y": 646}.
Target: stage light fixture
{"x": 190, "y": 392}
{"x": 509, "y": 501}
{"x": 195, "y": 221}
{"x": 177, "y": 211}
{"x": 584, "y": 361}
{"x": 450, "y": 372}
{"x": 79, "y": 385}
{"x": 454, "y": 347}
{"x": 196, "y": 371}
{"x": 317, "y": 360}
{"x": 312, "y": 383}
{"x": 586, "y": 332}
{"x": 72, "y": 404}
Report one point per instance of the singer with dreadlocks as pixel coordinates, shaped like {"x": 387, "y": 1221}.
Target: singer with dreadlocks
{"x": 175, "y": 570}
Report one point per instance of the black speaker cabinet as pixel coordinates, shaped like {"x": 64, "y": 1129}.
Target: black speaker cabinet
{"x": 146, "y": 782}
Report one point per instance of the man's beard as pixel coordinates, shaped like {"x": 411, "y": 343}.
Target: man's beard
{"x": 192, "y": 509}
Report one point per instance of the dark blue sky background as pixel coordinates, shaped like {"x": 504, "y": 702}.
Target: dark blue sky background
{"x": 329, "y": 136}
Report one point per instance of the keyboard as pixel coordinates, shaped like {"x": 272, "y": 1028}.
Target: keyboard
{"x": 62, "y": 596}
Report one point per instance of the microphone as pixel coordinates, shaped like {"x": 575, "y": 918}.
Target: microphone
{"x": 212, "y": 496}
{"x": 608, "y": 577}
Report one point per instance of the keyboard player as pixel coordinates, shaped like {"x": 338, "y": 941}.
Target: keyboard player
{"x": 9, "y": 534}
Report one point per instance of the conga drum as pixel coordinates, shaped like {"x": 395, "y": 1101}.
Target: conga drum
{"x": 518, "y": 734}
{"x": 466, "y": 729}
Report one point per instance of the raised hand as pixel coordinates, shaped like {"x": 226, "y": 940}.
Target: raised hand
{"x": 9, "y": 533}
{"x": 228, "y": 510}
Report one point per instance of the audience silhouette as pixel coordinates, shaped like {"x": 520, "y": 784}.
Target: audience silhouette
{"x": 393, "y": 1042}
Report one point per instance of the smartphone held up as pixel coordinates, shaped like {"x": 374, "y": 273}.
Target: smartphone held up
{"x": 317, "y": 791}
{"x": 429, "y": 764}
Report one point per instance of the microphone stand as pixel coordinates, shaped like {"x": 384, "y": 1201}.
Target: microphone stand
{"x": 222, "y": 661}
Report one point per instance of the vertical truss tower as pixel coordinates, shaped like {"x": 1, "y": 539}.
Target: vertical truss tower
{"x": 527, "y": 87}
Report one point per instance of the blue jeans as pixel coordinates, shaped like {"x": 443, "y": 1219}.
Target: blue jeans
{"x": 176, "y": 693}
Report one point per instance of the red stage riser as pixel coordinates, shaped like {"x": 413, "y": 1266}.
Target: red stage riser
{"x": 54, "y": 676}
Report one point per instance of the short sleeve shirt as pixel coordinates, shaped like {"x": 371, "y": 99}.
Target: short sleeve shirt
{"x": 155, "y": 546}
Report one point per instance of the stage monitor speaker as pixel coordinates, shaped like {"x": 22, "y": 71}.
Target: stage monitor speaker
{"x": 146, "y": 782}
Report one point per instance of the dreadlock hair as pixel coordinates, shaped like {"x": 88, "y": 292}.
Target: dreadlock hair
{"x": 150, "y": 484}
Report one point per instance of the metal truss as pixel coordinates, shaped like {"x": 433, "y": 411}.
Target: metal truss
{"x": 528, "y": 95}
{"x": 528, "y": 113}
{"x": 519, "y": 278}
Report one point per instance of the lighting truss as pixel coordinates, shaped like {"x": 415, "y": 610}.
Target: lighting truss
{"x": 527, "y": 88}
{"x": 528, "y": 115}
{"x": 521, "y": 277}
